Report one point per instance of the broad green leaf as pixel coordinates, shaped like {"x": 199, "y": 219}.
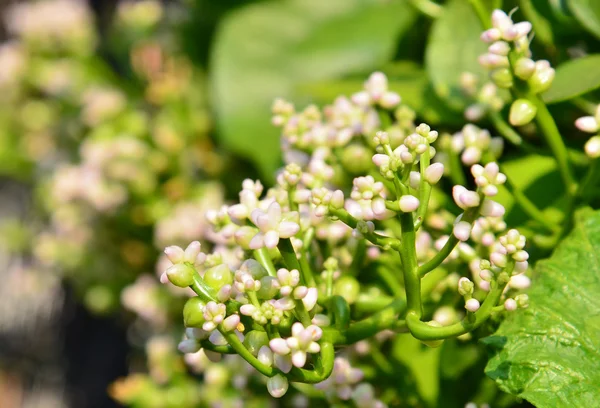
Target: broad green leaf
{"x": 549, "y": 354}
{"x": 587, "y": 12}
{"x": 453, "y": 48}
{"x": 405, "y": 78}
{"x": 574, "y": 78}
{"x": 264, "y": 50}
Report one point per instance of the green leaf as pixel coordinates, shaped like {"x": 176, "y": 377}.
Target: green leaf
{"x": 264, "y": 50}
{"x": 538, "y": 177}
{"x": 587, "y": 12}
{"x": 453, "y": 48}
{"x": 423, "y": 362}
{"x": 574, "y": 78}
{"x": 549, "y": 354}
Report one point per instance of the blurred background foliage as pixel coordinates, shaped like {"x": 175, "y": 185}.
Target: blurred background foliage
{"x": 121, "y": 122}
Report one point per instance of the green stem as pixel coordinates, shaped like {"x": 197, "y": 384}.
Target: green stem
{"x": 373, "y": 237}
{"x": 302, "y": 313}
{"x": 410, "y": 268}
{"x": 207, "y": 345}
{"x": 363, "y": 329}
{"x": 529, "y": 207}
{"x": 423, "y": 331}
{"x": 262, "y": 256}
{"x": 555, "y": 141}
{"x": 424, "y": 190}
{"x": 237, "y": 345}
{"x": 468, "y": 216}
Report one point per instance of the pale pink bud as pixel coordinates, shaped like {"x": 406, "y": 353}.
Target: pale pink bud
{"x": 498, "y": 259}
{"x": 277, "y": 386}
{"x": 414, "y": 179}
{"x": 231, "y": 322}
{"x": 189, "y": 346}
{"x": 408, "y": 203}
{"x": 337, "y": 199}
{"x": 521, "y": 267}
{"x": 510, "y": 305}
{"x": 501, "y": 20}
{"x": 378, "y": 206}
{"x": 298, "y": 358}
{"x": 310, "y": 300}
{"x": 472, "y": 305}
{"x": 462, "y": 230}
{"x": 381, "y": 159}
{"x": 519, "y": 282}
{"x": 587, "y": 124}
{"x": 175, "y": 254}
{"x": 434, "y": 172}
{"x": 485, "y": 285}
{"x": 192, "y": 252}
{"x": 265, "y": 356}
{"x": 284, "y": 363}
{"x": 279, "y": 346}
{"x": 518, "y": 30}
{"x": 499, "y": 48}
{"x": 389, "y": 100}
{"x": 592, "y": 147}
{"x": 491, "y": 35}
{"x": 491, "y": 208}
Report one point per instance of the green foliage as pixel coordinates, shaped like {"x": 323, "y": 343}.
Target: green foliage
{"x": 266, "y": 50}
{"x": 588, "y": 14}
{"x": 548, "y": 353}
{"x": 574, "y": 78}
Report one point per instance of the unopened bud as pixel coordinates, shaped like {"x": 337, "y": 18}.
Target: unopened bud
{"x": 542, "y": 78}
{"x": 522, "y": 112}
{"x": 592, "y": 147}
{"x": 277, "y": 386}
{"x": 465, "y": 286}
{"x": 472, "y": 305}
{"x": 408, "y": 203}
{"x": 181, "y": 275}
{"x": 502, "y": 77}
{"x": 193, "y": 312}
{"x": 434, "y": 172}
{"x": 524, "y": 68}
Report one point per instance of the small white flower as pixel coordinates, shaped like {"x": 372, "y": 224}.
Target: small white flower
{"x": 302, "y": 341}
{"x": 273, "y": 226}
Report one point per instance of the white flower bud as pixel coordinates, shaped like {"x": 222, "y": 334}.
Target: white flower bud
{"x": 434, "y": 172}
{"x": 462, "y": 230}
{"x": 277, "y": 386}
{"x": 408, "y": 203}
{"x": 587, "y": 124}
{"x": 472, "y": 305}
{"x": 510, "y": 305}
{"x": 592, "y": 147}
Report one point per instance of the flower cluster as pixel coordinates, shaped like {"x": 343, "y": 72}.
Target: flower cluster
{"x": 509, "y": 60}
{"x": 283, "y": 306}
